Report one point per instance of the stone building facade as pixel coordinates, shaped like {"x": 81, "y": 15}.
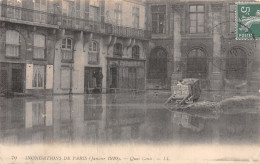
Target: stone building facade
{"x": 27, "y": 47}
{"x": 197, "y": 40}
{"x": 67, "y": 46}
{"x": 107, "y": 46}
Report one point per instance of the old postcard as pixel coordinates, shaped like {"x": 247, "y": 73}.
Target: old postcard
{"x": 129, "y": 81}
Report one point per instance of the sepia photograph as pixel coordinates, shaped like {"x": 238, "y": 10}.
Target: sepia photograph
{"x": 129, "y": 81}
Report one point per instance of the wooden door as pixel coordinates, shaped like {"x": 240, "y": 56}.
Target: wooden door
{"x": 17, "y": 79}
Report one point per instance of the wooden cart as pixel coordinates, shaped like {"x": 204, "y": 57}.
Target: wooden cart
{"x": 185, "y": 90}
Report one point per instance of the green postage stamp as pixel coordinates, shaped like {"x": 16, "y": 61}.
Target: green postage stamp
{"x": 248, "y": 21}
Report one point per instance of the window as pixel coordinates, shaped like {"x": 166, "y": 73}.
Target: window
{"x": 236, "y": 64}
{"x": 14, "y": 12}
{"x": 93, "y": 13}
{"x": 65, "y": 76}
{"x": 158, "y": 19}
{"x": 136, "y": 52}
{"x": 93, "y": 16}
{"x": 12, "y": 43}
{"x": 197, "y": 17}
{"x": 40, "y": 5}
{"x": 232, "y": 18}
{"x": 66, "y": 49}
{"x": 118, "y": 13}
{"x": 118, "y": 50}
{"x": 158, "y": 64}
{"x": 93, "y": 54}
{"x": 38, "y": 76}
{"x": 37, "y": 112}
{"x": 136, "y": 12}
{"x": 39, "y": 46}
{"x": 78, "y": 12}
{"x": 67, "y": 44}
{"x": 68, "y": 11}
{"x": 197, "y": 64}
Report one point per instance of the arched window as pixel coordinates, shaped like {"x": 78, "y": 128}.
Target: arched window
{"x": 118, "y": 50}
{"x": 67, "y": 49}
{"x": 157, "y": 64}
{"x": 93, "y": 46}
{"x": 12, "y": 43}
{"x": 197, "y": 66}
{"x": 67, "y": 44}
{"x": 136, "y": 52}
{"x": 236, "y": 64}
{"x": 93, "y": 52}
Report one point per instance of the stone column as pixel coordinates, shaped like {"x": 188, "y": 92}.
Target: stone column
{"x": 177, "y": 72}
{"x": 216, "y": 79}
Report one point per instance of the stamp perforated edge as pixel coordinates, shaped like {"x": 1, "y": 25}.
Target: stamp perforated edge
{"x": 255, "y": 2}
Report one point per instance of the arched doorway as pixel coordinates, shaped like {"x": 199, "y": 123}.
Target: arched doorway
{"x": 197, "y": 64}
{"x": 157, "y": 69}
{"x": 236, "y": 64}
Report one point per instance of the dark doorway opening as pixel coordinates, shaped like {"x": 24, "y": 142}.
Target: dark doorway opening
{"x": 132, "y": 78}
{"x": 3, "y": 78}
{"x": 157, "y": 68}
{"x": 11, "y": 78}
{"x": 91, "y": 84}
{"x": 17, "y": 79}
{"x": 114, "y": 77}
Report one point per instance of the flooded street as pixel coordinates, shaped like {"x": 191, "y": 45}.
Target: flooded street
{"x": 119, "y": 118}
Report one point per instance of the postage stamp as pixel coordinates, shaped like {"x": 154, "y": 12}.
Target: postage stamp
{"x": 248, "y": 21}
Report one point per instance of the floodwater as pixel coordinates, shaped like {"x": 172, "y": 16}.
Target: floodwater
{"x": 118, "y": 118}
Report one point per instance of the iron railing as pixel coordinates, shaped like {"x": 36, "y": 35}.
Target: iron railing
{"x": 72, "y": 23}
{"x": 24, "y": 14}
{"x": 128, "y": 32}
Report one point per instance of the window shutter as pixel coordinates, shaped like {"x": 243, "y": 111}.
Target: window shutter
{"x": 28, "y": 115}
{"x": 65, "y": 76}
{"x": 29, "y": 76}
{"x": 98, "y": 47}
{"x": 48, "y": 105}
{"x": 49, "y": 76}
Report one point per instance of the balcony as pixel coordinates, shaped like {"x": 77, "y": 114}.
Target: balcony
{"x": 73, "y": 23}
{"x": 103, "y": 28}
{"x": 39, "y": 18}
{"x": 27, "y": 16}
{"x": 127, "y": 32}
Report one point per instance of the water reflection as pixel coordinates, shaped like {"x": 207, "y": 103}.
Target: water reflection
{"x": 227, "y": 128}
{"x": 117, "y": 118}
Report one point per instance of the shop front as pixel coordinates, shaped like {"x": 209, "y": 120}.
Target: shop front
{"x": 126, "y": 74}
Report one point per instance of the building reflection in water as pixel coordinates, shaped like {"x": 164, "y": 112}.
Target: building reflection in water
{"x": 26, "y": 121}
{"x": 116, "y": 118}
{"x": 227, "y": 129}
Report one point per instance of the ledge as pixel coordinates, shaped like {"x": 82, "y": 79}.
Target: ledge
{"x": 28, "y": 22}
